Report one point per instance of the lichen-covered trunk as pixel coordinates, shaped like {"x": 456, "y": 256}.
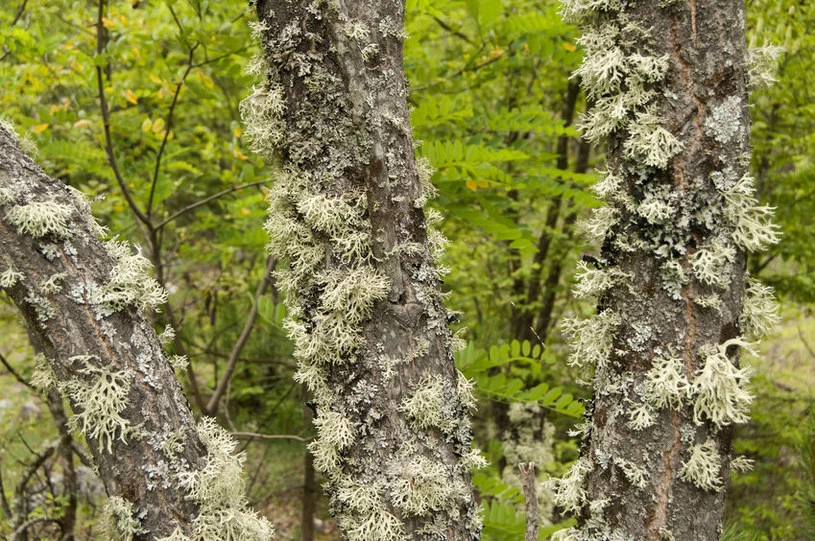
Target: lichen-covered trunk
{"x": 363, "y": 290}
{"x": 668, "y": 84}
{"x": 83, "y": 301}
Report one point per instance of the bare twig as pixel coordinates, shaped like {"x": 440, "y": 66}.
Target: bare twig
{"x": 103, "y": 104}
{"x": 258, "y": 436}
{"x": 18, "y": 532}
{"x": 14, "y": 373}
{"x": 212, "y": 406}
{"x": 530, "y": 480}
{"x": 207, "y": 200}
{"x": 169, "y": 127}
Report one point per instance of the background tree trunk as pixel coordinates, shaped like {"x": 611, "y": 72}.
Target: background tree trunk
{"x": 367, "y": 317}
{"x": 668, "y": 87}
{"x": 82, "y": 300}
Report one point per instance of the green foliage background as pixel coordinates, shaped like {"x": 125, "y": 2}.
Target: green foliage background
{"x": 495, "y": 111}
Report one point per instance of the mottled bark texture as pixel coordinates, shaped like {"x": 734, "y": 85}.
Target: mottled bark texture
{"x": 668, "y": 86}
{"x": 366, "y": 312}
{"x": 83, "y": 301}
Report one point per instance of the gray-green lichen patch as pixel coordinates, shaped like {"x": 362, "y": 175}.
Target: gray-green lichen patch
{"x": 725, "y": 122}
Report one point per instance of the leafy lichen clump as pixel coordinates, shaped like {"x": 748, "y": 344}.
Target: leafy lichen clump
{"x": 218, "y": 490}
{"x": 41, "y": 218}
{"x": 100, "y": 401}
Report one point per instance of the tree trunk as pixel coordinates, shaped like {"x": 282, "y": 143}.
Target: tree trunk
{"x": 82, "y": 300}
{"x": 668, "y": 85}
{"x": 366, "y": 311}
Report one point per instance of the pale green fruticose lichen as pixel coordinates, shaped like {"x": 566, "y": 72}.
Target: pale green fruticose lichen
{"x": 641, "y": 416}
{"x": 636, "y": 475}
{"x": 179, "y": 362}
{"x": 119, "y": 521}
{"x": 426, "y": 406}
{"x": 754, "y": 230}
{"x": 9, "y": 277}
{"x": 595, "y": 282}
{"x": 591, "y": 338}
{"x": 52, "y": 286}
{"x": 712, "y": 263}
{"x": 6, "y": 196}
{"x": 422, "y": 486}
{"x": 742, "y": 464}
{"x": 570, "y": 492}
{"x": 759, "y": 316}
{"x": 41, "y": 218}
{"x": 719, "y": 387}
{"x": 43, "y": 377}
{"x": 218, "y": 490}
{"x": 703, "y": 467}
{"x": 666, "y": 385}
{"x": 167, "y": 335}
{"x": 101, "y": 401}
{"x": 763, "y": 65}
{"x": 129, "y": 283}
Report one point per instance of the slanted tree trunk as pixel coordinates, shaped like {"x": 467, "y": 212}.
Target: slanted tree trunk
{"x": 668, "y": 82}
{"x": 83, "y": 301}
{"x": 366, "y": 311}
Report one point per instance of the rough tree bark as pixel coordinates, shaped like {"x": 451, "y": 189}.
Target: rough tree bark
{"x": 83, "y": 301}
{"x": 366, "y": 311}
{"x": 668, "y": 84}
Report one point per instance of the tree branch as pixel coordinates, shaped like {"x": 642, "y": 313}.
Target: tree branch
{"x": 103, "y": 104}
{"x": 169, "y": 127}
{"x": 207, "y": 200}
{"x": 212, "y": 406}
{"x": 257, "y": 436}
{"x": 530, "y": 480}
{"x": 14, "y": 373}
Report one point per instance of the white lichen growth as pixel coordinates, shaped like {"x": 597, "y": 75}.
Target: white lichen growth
{"x": 594, "y": 282}
{"x": 570, "y": 491}
{"x": 100, "y": 401}
{"x": 52, "y": 285}
{"x": 421, "y": 486}
{"x": 120, "y": 522}
{"x": 167, "y": 335}
{"x": 6, "y": 196}
{"x": 753, "y": 227}
{"x": 763, "y": 65}
{"x": 43, "y": 377}
{"x": 742, "y": 464}
{"x": 377, "y": 525}
{"x": 129, "y": 284}
{"x": 666, "y": 385}
{"x": 41, "y": 218}
{"x": 712, "y": 263}
{"x": 218, "y": 490}
{"x": 649, "y": 142}
{"x": 719, "y": 388}
{"x": 335, "y": 429}
{"x": 636, "y": 475}
{"x": 641, "y": 416}
{"x": 262, "y": 113}
{"x": 759, "y": 314}
{"x": 9, "y": 277}
{"x": 427, "y": 407}
{"x": 703, "y": 467}
{"x": 592, "y": 338}
{"x": 179, "y": 362}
